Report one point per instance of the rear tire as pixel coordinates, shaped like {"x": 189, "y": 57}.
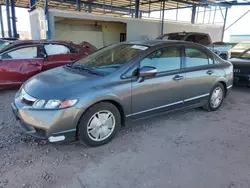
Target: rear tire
{"x": 216, "y": 98}
{"x": 99, "y": 124}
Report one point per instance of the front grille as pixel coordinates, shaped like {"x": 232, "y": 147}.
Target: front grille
{"x": 241, "y": 70}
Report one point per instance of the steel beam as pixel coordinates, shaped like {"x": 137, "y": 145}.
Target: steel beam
{"x": 137, "y": 7}
{"x": 13, "y": 13}
{"x": 173, "y": 8}
{"x": 162, "y": 19}
{"x": 238, "y": 19}
{"x": 8, "y": 18}
{"x": 239, "y": 4}
{"x": 97, "y": 5}
{"x": 78, "y": 5}
{"x": 1, "y": 21}
{"x": 222, "y": 13}
{"x": 47, "y": 22}
{"x": 32, "y": 5}
{"x": 224, "y": 25}
{"x": 193, "y": 14}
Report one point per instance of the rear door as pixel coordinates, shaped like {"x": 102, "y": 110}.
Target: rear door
{"x": 164, "y": 90}
{"x": 58, "y": 55}
{"x": 19, "y": 64}
{"x": 201, "y": 73}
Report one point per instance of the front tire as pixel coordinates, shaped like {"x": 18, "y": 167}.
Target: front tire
{"x": 99, "y": 124}
{"x": 216, "y": 98}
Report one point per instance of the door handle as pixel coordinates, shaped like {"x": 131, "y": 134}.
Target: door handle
{"x": 178, "y": 78}
{"x": 210, "y": 72}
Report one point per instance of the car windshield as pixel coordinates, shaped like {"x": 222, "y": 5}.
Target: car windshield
{"x": 3, "y": 44}
{"x": 245, "y": 55}
{"x": 242, "y": 46}
{"x": 111, "y": 58}
{"x": 174, "y": 36}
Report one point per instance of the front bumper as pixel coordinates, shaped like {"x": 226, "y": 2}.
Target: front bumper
{"x": 52, "y": 125}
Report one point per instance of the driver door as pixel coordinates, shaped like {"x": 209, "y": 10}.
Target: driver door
{"x": 18, "y": 65}
{"x": 161, "y": 92}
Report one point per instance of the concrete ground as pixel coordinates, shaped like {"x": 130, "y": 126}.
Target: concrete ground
{"x": 191, "y": 149}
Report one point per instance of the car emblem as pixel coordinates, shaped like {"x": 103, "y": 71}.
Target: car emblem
{"x": 236, "y": 70}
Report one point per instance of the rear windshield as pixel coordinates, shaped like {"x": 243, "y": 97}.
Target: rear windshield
{"x": 174, "y": 36}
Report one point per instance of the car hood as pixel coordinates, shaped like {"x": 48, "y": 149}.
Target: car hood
{"x": 240, "y": 62}
{"x": 59, "y": 83}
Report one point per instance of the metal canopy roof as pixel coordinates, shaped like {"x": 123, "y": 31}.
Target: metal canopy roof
{"x": 125, "y": 6}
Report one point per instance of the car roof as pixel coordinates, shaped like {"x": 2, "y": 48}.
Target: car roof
{"x": 184, "y": 32}
{"x": 159, "y": 42}
{"x": 31, "y": 42}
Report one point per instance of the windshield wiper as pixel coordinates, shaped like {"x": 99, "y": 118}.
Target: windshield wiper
{"x": 83, "y": 68}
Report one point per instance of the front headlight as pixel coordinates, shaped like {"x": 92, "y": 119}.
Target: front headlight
{"x": 54, "y": 104}
{"x": 39, "y": 103}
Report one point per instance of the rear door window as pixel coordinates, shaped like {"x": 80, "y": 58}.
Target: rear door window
{"x": 56, "y": 49}
{"x": 195, "y": 57}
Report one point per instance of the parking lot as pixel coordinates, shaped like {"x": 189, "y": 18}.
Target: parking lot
{"x": 186, "y": 149}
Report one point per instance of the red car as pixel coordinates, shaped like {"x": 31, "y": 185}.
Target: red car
{"x": 21, "y": 60}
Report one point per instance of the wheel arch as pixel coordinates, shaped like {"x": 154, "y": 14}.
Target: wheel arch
{"x": 225, "y": 87}
{"x": 114, "y": 102}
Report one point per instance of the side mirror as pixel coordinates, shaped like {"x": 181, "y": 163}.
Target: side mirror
{"x": 147, "y": 71}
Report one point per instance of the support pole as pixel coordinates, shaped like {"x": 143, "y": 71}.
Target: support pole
{"x": 8, "y": 18}
{"x": 137, "y": 7}
{"x": 46, "y": 13}
{"x": 177, "y": 8}
{"x": 149, "y": 8}
{"x": 193, "y": 14}
{"x": 104, "y": 3}
{"x": 162, "y": 20}
{"x": 224, "y": 25}
{"x": 1, "y": 21}
{"x": 89, "y": 7}
{"x": 130, "y": 8}
{"x": 13, "y": 13}
{"x": 111, "y": 4}
{"x": 197, "y": 14}
{"x": 78, "y": 5}
{"x": 209, "y": 14}
{"x": 204, "y": 14}
{"x": 214, "y": 13}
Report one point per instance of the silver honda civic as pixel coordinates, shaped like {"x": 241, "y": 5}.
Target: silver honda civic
{"x": 92, "y": 98}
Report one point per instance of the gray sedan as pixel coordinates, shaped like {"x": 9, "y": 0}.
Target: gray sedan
{"x": 92, "y": 98}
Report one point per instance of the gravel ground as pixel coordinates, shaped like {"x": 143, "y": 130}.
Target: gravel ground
{"x": 187, "y": 149}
